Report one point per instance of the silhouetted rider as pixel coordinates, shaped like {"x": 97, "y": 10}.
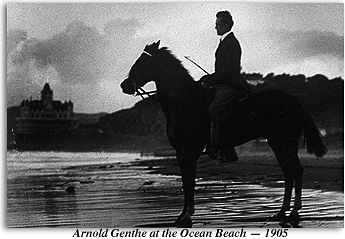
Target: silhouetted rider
{"x": 226, "y": 79}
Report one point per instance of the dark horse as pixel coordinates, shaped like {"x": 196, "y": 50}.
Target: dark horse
{"x": 274, "y": 115}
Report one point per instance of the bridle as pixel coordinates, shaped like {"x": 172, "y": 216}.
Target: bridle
{"x": 140, "y": 91}
{"x": 150, "y": 94}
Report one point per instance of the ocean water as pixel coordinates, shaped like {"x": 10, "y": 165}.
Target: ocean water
{"x": 26, "y": 163}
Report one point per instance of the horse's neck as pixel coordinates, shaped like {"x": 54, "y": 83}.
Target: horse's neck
{"x": 172, "y": 79}
{"x": 169, "y": 85}
{"x": 181, "y": 96}
{"x": 172, "y": 76}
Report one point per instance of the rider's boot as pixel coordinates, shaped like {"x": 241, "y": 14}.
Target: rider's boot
{"x": 212, "y": 149}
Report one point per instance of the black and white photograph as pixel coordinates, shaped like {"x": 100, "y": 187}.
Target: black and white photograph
{"x": 198, "y": 119}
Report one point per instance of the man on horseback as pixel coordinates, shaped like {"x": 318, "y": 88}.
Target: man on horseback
{"x": 226, "y": 79}
{"x": 273, "y": 114}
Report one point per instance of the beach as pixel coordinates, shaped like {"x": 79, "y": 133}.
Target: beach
{"x": 119, "y": 190}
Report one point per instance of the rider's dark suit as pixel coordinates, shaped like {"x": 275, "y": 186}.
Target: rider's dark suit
{"x": 227, "y": 76}
{"x": 228, "y": 62}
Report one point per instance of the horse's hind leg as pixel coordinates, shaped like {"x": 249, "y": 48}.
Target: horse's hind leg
{"x": 292, "y": 170}
{"x": 298, "y": 175}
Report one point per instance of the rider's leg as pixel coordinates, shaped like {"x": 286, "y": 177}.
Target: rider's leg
{"x": 224, "y": 95}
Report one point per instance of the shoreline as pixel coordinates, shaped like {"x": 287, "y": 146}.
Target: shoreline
{"x": 107, "y": 186}
{"x": 259, "y": 168}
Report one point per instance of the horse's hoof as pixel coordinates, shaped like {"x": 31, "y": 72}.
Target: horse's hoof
{"x": 280, "y": 216}
{"x": 177, "y": 221}
{"x": 294, "y": 216}
{"x": 284, "y": 225}
{"x": 295, "y": 224}
{"x": 184, "y": 221}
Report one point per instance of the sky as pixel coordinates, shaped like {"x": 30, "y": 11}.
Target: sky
{"x": 85, "y": 50}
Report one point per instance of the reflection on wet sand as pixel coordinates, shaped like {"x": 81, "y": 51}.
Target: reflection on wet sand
{"x": 113, "y": 194}
{"x": 236, "y": 204}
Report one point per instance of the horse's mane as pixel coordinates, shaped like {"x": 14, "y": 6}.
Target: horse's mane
{"x": 175, "y": 64}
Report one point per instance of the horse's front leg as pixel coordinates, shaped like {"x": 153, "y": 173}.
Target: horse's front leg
{"x": 187, "y": 162}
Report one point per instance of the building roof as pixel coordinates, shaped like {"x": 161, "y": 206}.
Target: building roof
{"x": 46, "y": 88}
{"x": 41, "y": 105}
{"x": 38, "y": 104}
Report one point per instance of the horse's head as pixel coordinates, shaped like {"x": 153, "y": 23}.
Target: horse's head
{"x": 143, "y": 70}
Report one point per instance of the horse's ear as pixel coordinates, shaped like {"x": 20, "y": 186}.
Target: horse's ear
{"x": 156, "y": 44}
{"x": 153, "y": 48}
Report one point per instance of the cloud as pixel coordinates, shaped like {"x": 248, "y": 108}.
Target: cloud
{"x": 80, "y": 54}
{"x": 27, "y": 80}
{"x": 312, "y": 52}
{"x": 83, "y": 54}
{"x": 14, "y": 37}
{"x": 327, "y": 65}
{"x": 31, "y": 49}
{"x": 293, "y": 52}
{"x": 302, "y": 44}
{"x": 122, "y": 28}
{"x": 77, "y": 59}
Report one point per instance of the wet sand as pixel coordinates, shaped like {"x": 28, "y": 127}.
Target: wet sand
{"x": 247, "y": 192}
{"x": 326, "y": 173}
{"x": 147, "y": 193}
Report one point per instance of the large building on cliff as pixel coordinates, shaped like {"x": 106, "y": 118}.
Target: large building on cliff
{"x": 45, "y": 116}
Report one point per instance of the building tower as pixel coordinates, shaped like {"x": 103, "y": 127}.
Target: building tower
{"x": 47, "y": 97}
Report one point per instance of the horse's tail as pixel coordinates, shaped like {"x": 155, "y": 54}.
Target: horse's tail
{"x": 312, "y": 138}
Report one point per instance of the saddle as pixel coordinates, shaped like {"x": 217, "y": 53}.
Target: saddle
{"x": 243, "y": 92}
